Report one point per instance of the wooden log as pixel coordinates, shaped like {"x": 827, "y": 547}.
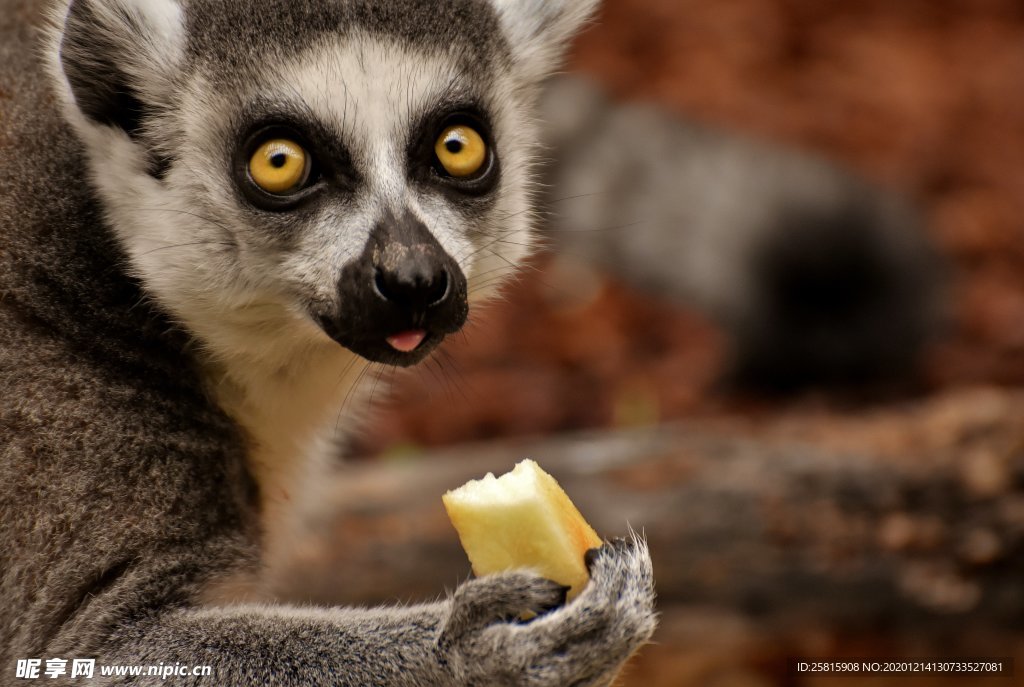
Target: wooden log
{"x": 861, "y": 525}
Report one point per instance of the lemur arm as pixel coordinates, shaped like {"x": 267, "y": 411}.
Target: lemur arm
{"x": 465, "y": 639}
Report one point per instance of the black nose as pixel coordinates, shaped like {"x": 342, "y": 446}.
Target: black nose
{"x": 416, "y": 283}
{"x": 404, "y": 287}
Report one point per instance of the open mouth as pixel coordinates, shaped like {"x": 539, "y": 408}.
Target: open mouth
{"x": 403, "y": 349}
{"x": 399, "y": 345}
{"x": 407, "y": 341}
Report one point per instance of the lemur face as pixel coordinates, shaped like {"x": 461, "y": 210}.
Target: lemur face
{"x": 362, "y": 183}
{"x": 315, "y": 168}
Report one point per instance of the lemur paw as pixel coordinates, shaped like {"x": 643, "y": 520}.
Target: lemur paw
{"x": 582, "y": 644}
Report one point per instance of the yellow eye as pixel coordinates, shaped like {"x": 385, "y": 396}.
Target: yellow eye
{"x": 279, "y": 166}
{"x": 461, "y": 150}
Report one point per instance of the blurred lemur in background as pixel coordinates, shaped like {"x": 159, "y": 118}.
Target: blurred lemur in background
{"x": 818, "y": 277}
{"x": 213, "y": 213}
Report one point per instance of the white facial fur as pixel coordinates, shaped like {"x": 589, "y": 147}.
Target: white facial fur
{"x": 232, "y": 286}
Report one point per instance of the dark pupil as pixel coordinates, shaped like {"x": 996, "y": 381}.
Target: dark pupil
{"x": 278, "y": 160}
{"x": 453, "y": 145}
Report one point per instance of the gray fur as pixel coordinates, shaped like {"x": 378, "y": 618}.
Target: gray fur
{"x": 229, "y": 36}
{"x": 128, "y": 495}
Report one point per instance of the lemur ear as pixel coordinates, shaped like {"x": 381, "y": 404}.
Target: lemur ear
{"x": 539, "y": 31}
{"x": 118, "y": 56}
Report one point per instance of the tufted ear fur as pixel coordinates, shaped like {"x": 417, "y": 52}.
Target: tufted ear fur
{"x": 539, "y": 31}
{"x": 118, "y": 57}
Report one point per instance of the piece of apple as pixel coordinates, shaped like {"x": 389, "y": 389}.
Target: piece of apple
{"x": 522, "y": 519}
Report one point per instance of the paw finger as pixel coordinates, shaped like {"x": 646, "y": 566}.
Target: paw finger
{"x": 495, "y": 598}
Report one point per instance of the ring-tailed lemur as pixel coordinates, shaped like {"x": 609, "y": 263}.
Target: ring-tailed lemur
{"x": 212, "y": 211}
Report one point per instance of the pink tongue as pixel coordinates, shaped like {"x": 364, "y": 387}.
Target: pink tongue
{"x": 407, "y": 342}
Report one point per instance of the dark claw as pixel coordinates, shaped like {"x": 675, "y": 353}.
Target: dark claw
{"x": 542, "y": 609}
{"x": 616, "y": 544}
{"x": 563, "y": 593}
{"x": 590, "y": 557}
